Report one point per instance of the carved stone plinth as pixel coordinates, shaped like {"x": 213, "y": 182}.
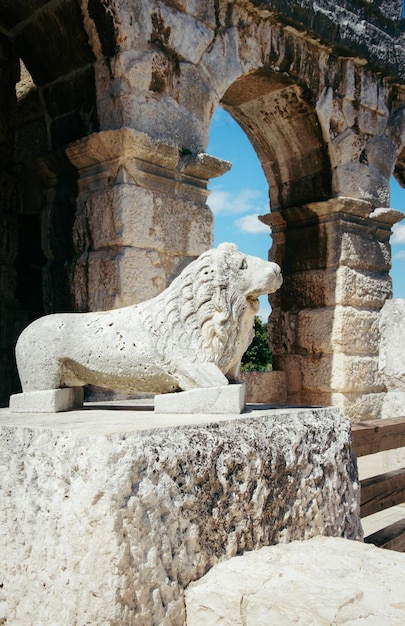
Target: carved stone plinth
{"x": 48, "y": 401}
{"x": 106, "y": 516}
{"x": 210, "y": 400}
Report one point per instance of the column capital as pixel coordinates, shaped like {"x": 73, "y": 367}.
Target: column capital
{"x": 126, "y": 155}
{"x": 330, "y": 210}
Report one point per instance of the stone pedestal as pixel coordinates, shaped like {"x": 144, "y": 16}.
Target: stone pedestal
{"x": 107, "y": 515}
{"x": 205, "y": 400}
{"x": 324, "y": 331}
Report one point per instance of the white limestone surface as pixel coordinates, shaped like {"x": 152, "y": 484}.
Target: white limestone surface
{"x": 320, "y": 582}
{"x": 49, "y": 401}
{"x": 108, "y": 513}
{"x": 392, "y": 356}
{"x": 223, "y": 399}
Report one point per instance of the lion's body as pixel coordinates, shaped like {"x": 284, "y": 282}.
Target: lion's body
{"x": 192, "y": 335}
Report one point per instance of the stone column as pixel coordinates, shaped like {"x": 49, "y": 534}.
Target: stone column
{"x": 335, "y": 258}
{"x": 141, "y": 216}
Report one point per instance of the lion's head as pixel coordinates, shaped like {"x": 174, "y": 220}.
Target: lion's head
{"x": 209, "y": 308}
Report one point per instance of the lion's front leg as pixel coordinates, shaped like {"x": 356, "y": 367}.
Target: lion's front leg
{"x": 199, "y": 375}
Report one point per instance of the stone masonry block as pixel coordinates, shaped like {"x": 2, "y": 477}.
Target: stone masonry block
{"x": 356, "y": 331}
{"x": 393, "y": 404}
{"x": 340, "y": 329}
{"x": 340, "y": 373}
{"x": 128, "y": 215}
{"x": 358, "y": 406}
{"x": 47, "y": 401}
{"x": 314, "y": 330}
{"x": 364, "y": 253}
{"x": 362, "y": 289}
{"x": 392, "y": 354}
{"x": 326, "y": 580}
{"x": 309, "y": 290}
{"x": 187, "y": 35}
{"x": 265, "y": 387}
{"x": 131, "y": 275}
{"x": 107, "y": 516}
{"x": 291, "y": 365}
{"x": 207, "y": 400}
{"x": 346, "y": 286}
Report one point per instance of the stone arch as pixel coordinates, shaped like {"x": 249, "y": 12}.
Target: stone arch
{"x": 65, "y": 81}
{"x": 123, "y": 119}
{"x": 48, "y": 100}
{"x": 285, "y": 132}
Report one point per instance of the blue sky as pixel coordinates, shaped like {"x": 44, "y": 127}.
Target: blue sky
{"x": 238, "y": 197}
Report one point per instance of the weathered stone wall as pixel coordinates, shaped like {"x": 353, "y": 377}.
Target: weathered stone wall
{"x": 112, "y": 162}
{"x": 368, "y": 30}
{"x": 392, "y": 357}
{"x": 130, "y": 237}
{"x": 325, "y": 323}
{"x": 107, "y": 516}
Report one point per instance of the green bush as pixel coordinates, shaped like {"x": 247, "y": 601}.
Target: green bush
{"x": 258, "y": 357}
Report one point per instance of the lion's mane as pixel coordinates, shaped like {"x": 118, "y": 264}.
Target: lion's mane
{"x": 201, "y": 308}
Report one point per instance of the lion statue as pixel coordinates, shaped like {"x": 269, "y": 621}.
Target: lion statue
{"x": 191, "y": 335}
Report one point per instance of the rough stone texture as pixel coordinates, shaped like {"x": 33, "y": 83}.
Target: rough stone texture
{"x": 265, "y": 387}
{"x": 325, "y": 580}
{"x": 213, "y": 400}
{"x": 107, "y": 516}
{"x": 345, "y": 329}
{"x": 106, "y": 144}
{"x": 192, "y": 335}
{"x": 130, "y": 240}
{"x": 392, "y": 356}
{"x": 51, "y": 401}
{"x": 325, "y": 321}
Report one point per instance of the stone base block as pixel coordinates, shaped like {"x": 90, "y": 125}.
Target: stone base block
{"x": 210, "y": 400}
{"x": 265, "y": 387}
{"x": 106, "y": 516}
{"x": 49, "y": 401}
{"x": 325, "y": 580}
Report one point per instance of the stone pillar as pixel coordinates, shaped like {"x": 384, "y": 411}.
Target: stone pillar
{"x": 141, "y": 216}
{"x": 324, "y": 329}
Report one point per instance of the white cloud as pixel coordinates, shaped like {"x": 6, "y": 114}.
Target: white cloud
{"x": 251, "y": 224}
{"x": 398, "y": 234}
{"x": 236, "y": 202}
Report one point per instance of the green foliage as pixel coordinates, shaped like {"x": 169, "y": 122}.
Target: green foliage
{"x": 258, "y": 357}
